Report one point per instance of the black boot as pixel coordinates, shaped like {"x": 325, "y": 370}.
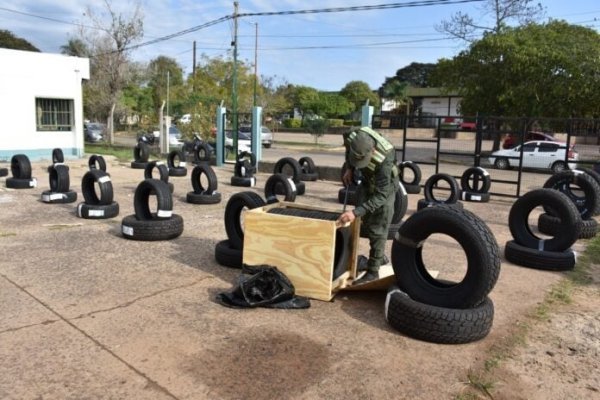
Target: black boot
{"x": 368, "y": 277}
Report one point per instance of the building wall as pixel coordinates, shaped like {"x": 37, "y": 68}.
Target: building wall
{"x": 25, "y": 76}
{"x": 441, "y": 106}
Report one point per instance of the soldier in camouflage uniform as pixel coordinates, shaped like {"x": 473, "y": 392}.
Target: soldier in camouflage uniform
{"x": 375, "y": 157}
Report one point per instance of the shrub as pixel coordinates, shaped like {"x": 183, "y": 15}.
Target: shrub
{"x": 351, "y": 122}
{"x": 335, "y": 122}
{"x": 292, "y": 123}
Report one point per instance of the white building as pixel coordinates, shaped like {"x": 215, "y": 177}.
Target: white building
{"x": 41, "y": 105}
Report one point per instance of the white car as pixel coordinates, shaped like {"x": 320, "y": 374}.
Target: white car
{"x": 536, "y": 154}
{"x": 266, "y": 136}
{"x": 243, "y": 142}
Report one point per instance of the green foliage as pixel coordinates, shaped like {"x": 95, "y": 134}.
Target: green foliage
{"x": 358, "y": 92}
{"x": 9, "y": 41}
{"x": 332, "y": 105}
{"x": 316, "y": 127}
{"x": 352, "y": 122}
{"x": 548, "y": 70}
{"x": 335, "y": 122}
{"x": 414, "y": 75}
{"x": 163, "y": 73}
{"x": 292, "y": 123}
{"x": 75, "y": 47}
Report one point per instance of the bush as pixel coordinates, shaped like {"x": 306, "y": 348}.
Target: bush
{"x": 316, "y": 127}
{"x": 335, "y": 122}
{"x": 351, "y": 122}
{"x": 292, "y": 123}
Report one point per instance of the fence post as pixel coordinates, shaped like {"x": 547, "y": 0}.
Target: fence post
{"x": 221, "y": 112}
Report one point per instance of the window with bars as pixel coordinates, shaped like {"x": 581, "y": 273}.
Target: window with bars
{"x": 54, "y": 114}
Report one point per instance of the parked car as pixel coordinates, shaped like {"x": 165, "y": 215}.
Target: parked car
{"x": 175, "y": 139}
{"x": 266, "y": 136}
{"x": 511, "y": 140}
{"x": 94, "y": 132}
{"x": 243, "y": 141}
{"x": 536, "y": 154}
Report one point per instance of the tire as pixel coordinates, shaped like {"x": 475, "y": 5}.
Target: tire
{"x": 589, "y": 205}
{"x": 244, "y": 169}
{"x": 415, "y": 170}
{"x": 141, "y": 152}
{"x": 163, "y": 171}
{"x": 562, "y": 207}
{"x": 423, "y": 203}
{"x": 97, "y": 162}
{"x": 551, "y": 226}
{"x": 3, "y": 172}
{"x": 476, "y": 239}
{"x": 20, "y": 167}
{"x": 152, "y": 229}
{"x": 475, "y": 180}
{"x": 18, "y": 183}
{"x": 400, "y": 205}
{"x": 279, "y": 184}
{"x": 59, "y": 198}
{"x": 138, "y": 164}
{"x": 250, "y": 157}
{"x": 292, "y": 163}
{"x": 591, "y": 173}
{"x": 433, "y": 180}
{"x": 558, "y": 167}
{"x": 179, "y": 168}
{"x": 203, "y": 198}
{"x": 352, "y": 195}
{"x": 308, "y": 170}
{"x": 59, "y": 178}
{"x": 412, "y": 189}
{"x": 89, "y": 192}
{"x": 474, "y": 197}
{"x": 437, "y": 324}
{"x": 501, "y": 163}
{"x": 233, "y": 212}
{"x": 227, "y": 256}
{"x": 211, "y": 177}
{"x": 164, "y": 200}
{"x": 57, "y": 156}
{"x": 243, "y": 181}
{"x": 97, "y": 211}
{"x": 202, "y": 153}
{"x": 536, "y": 259}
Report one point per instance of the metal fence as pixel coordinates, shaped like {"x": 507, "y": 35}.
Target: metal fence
{"x": 452, "y": 144}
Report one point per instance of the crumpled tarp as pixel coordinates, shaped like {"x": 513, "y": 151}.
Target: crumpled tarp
{"x": 263, "y": 286}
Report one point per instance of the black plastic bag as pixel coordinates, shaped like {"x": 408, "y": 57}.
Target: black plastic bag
{"x": 263, "y": 286}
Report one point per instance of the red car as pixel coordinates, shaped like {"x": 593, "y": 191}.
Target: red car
{"x": 511, "y": 140}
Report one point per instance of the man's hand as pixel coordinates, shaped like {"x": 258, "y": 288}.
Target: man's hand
{"x": 347, "y": 177}
{"x": 346, "y": 218}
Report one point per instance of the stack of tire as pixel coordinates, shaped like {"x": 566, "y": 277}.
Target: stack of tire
{"x": 400, "y": 207}
{"x": 291, "y": 167}
{"x": 439, "y": 311}
{"x": 176, "y": 163}
{"x": 149, "y": 225}
{"x": 60, "y": 184}
{"x": 97, "y": 206}
{"x": 573, "y": 184}
{"x": 141, "y": 153}
{"x": 229, "y": 252}
{"x": 475, "y": 184}
{"x": 244, "y": 170}
{"x": 529, "y": 250}
{"x": 163, "y": 173}
{"x": 20, "y": 167}
{"x": 280, "y": 184}
{"x": 430, "y": 197}
{"x": 308, "y": 169}
{"x": 412, "y": 186}
{"x": 347, "y": 194}
{"x": 204, "y": 193}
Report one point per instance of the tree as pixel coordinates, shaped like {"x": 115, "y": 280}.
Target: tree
{"x": 9, "y": 41}
{"x": 358, "y": 92}
{"x": 397, "y": 91}
{"x": 306, "y": 100}
{"x": 464, "y": 27}
{"x": 548, "y": 70}
{"x": 164, "y": 74}
{"x": 75, "y": 47}
{"x": 415, "y": 75}
{"x": 332, "y": 105}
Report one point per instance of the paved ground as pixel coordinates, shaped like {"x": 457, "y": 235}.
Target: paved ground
{"x": 85, "y": 313}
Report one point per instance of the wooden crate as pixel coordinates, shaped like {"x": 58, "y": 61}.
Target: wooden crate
{"x": 302, "y": 248}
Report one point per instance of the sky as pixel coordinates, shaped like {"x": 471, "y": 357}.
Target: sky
{"x": 321, "y": 50}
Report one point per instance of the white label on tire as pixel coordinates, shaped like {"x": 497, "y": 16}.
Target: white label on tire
{"x": 33, "y": 183}
{"x": 463, "y": 195}
{"x": 104, "y": 179}
{"x": 292, "y": 184}
{"x": 578, "y": 172}
{"x": 475, "y": 198}
{"x": 403, "y": 190}
{"x": 387, "y": 302}
{"x": 127, "y": 230}
{"x": 159, "y": 163}
{"x": 485, "y": 173}
{"x": 56, "y": 196}
{"x": 541, "y": 245}
{"x": 164, "y": 213}
{"x": 214, "y": 192}
{"x": 96, "y": 213}
{"x": 243, "y": 171}
{"x": 79, "y": 210}
{"x": 252, "y": 181}
{"x": 45, "y": 198}
{"x": 182, "y": 163}
{"x": 58, "y": 163}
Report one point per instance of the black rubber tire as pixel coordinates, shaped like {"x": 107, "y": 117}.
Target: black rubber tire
{"x": 279, "y": 184}
{"x": 203, "y": 198}
{"x": 20, "y": 167}
{"x": 97, "y": 162}
{"x": 228, "y": 256}
{"x": 3, "y": 172}
{"x": 433, "y": 180}
{"x": 250, "y": 157}
{"x": 423, "y": 203}
{"x": 211, "y": 178}
{"x": 152, "y": 229}
{"x": 164, "y": 200}
{"x": 589, "y": 205}
{"x": 57, "y": 156}
{"x": 475, "y": 180}
{"x": 476, "y": 239}
{"x": 141, "y": 152}
{"x": 412, "y": 189}
{"x": 176, "y": 168}
{"x": 551, "y": 226}
{"x": 292, "y": 163}
{"x": 562, "y": 207}
{"x": 233, "y": 212}
{"x": 89, "y": 191}
{"x": 58, "y": 177}
{"x": 163, "y": 171}
{"x": 352, "y": 195}
{"x": 536, "y": 259}
{"x": 300, "y": 188}
{"x": 415, "y": 170}
{"x": 474, "y": 197}
{"x": 139, "y": 164}
{"x": 178, "y": 171}
{"x": 438, "y": 324}
{"x": 244, "y": 169}
{"x": 17, "y": 183}
{"x": 202, "y": 153}
{"x": 97, "y": 211}
{"x": 400, "y": 205}
{"x": 59, "y": 198}
{"x": 591, "y": 173}
{"x": 308, "y": 170}
{"x": 243, "y": 181}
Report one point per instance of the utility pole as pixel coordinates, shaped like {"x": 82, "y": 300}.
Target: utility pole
{"x": 234, "y": 104}
{"x": 194, "y": 65}
{"x": 255, "y": 59}
{"x": 168, "y": 84}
